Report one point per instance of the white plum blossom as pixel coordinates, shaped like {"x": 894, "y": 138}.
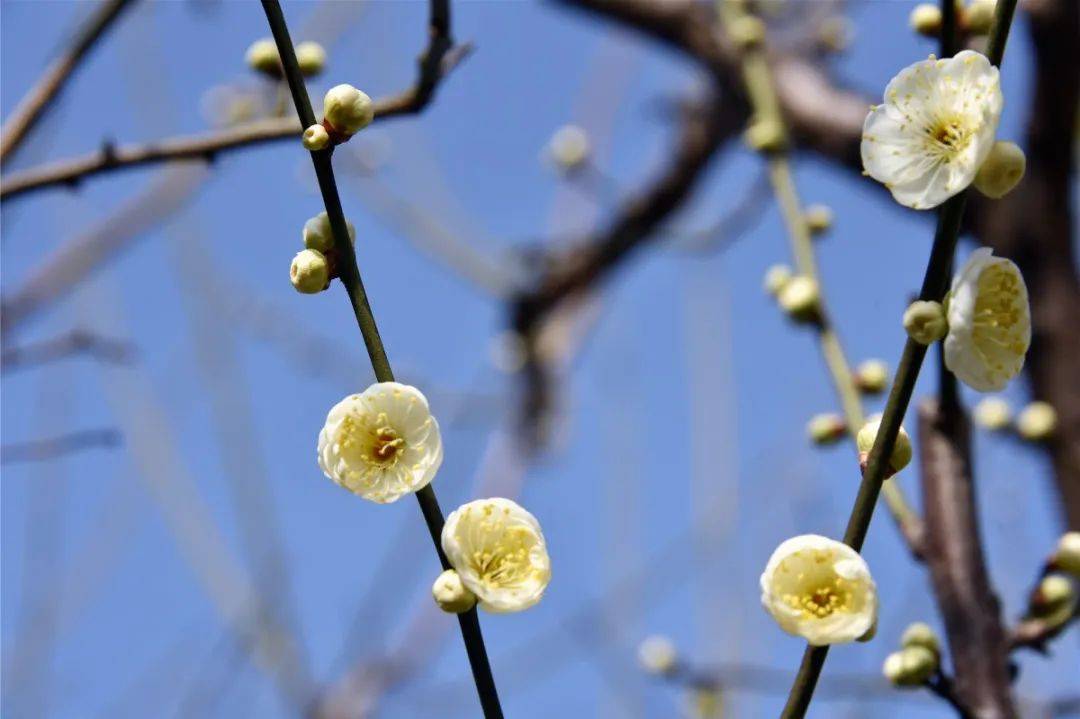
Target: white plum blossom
{"x": 989, "y": 322}
{"x": 381, "y": 444}
{"x": 499, "y": 552}
{"x": 935, "y": 128}
{"x": 821, "y": 590}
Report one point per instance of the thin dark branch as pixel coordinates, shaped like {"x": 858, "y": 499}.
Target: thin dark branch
{"x": 36, "y": 102}
{"x": 74, "y": 343}
{"x": 39, "y": 450}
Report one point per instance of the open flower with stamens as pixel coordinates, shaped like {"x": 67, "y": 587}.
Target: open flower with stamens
{"x": 499, "y": 552}
{"x": 935, "y": 128}
{"x": 989, "y": 322}
{"x": 382, "y": 443}
{"x": 821, "y": 590}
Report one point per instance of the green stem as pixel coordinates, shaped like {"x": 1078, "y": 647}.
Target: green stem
{"x": 349, "y": 273}
{"x": 935, "y": 284}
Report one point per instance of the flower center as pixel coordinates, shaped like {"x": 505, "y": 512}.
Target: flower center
{"x": 377, "y": 442}
{"x": 501, "y": 558}
{"x": 823, "y": 600}
{"x": 998, "y": 311}
{"x": 949, "y": 136}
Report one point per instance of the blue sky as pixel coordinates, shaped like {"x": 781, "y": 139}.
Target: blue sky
{"x": 680, "y": 455}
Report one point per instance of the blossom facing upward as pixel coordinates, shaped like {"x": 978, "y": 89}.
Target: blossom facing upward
{"x": 499, "y": 552}
{"x": 820, "y": 589}
{"x": 989, "y": 322}
{"x": 935, "y": 128}
{"x": 382, "y": 443}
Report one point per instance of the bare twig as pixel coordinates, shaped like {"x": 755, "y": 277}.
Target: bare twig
{"x": 48, "y": 87}
{"x": 75, "y": 342}
{"x": 39, "y": 450}
{"x": 440, "y": 57}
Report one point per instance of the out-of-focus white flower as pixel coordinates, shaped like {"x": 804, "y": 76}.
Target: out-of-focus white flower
{"x": 820, "y": 589}
{"x": 910, "y": 667}
{"x": 925, "y": 19}
{"x": 347, "y": 109}
{"x": 319, "y": 236}
{"x": 451, "y": 594}
{"x": 901, "y": 453}
{"x": 382, "y": 443}
{"x": 569, "y": 148}
{"x": 775, "y": 278}
{"x": 309, "y": 272}
{"x": 935, "y": 128}
{"x": 989, "y": 322}
{"x": 978, "y": 17}
{"x": 872, "y": 376}
{"x": 826, "y": 428}
{"x": 993, "y": 413}
{"x": 1067, "y": 554}
{"x": 262, "y": 56}
{"x": 311, "y": 57}
{"x": 1001, "y": 171}
{"x": 315, "y": 138}
{"x": 1037, "y": 422}
{"x": 657, "y": 654}
{"x": 499, "y": 552}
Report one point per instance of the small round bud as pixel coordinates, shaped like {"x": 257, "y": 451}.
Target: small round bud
{"x": 925, "y": 322}
{"x": 1037, "y": 422}
{"x": 316, "y": 138}
{"x": 311, "y": 57}
{"x": 569, "y": 148}
{"x": 765, "y": 136}
{"x": 993, "y": 413}
{"x": 319, "y": 236}
{"x": 799, "y": 298}
{"x": 919, "y": 634}
{"x": 901, "y": 453}
{"x": 310, "y": 272}
{"x": 872, "y": 376}
{"x": 825, "y": 429}
{"x": 818, "y": 218}
{"x": 1001, "y": 171}
{"x": 925, "y": 19}
{"x": 834, "y": 34}
{"x": 1067, "y": 554}
{"x": 747, "y": 32}
{"x": 657, "y": 655}
{"x": 910, "y": 667}
{"x": 347, "y": 110}
{"x": 775, "y": 278}
{"x": 1054, "y": 600}
{"x": 978, "y": 17}
{"x": 451, "y": 594}
{"x": 263, "y": 57}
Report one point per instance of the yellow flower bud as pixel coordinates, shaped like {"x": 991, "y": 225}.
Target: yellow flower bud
{"x": 978, "y": 17}
{"x": 1001, "y": 171}
{"x": 747, "y": 32}
{"x": 765, "y": 136}
{"x": 925, "y": 19}
{"x": 775, "y": 278}
{"x": 316, "y": 138}
{"x": 1054, "y": 601}
{"x": 310, "y": 272}
{"x": 834, "y": 34}
{"x": 993, "y": 413}
{"x": 818, "y": 218}
{"x": 319, "y": 236}
{"x": 262, "y": 57}
{"x": 657, "y": 655}
{"x": 311, "y": 57}
{"x": 910, "y": 667}
{"x": 1037, "y": 422}
{"x": 1067, "y": 554}
{"x": 347, "y": 109}
{"x": 451, "y": 594}
{"x": 569, "y": 148}
{"x": 826, "y": 429}
{"x": 925, "y": 322}
{"x": 799, "y": 298}
{"x": 919, "y": 634}
{"x": 872, "y": 376}
{"x": 901, "y": 454}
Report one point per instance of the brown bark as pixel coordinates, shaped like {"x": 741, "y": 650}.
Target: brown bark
{"x": 953, "y": 552}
